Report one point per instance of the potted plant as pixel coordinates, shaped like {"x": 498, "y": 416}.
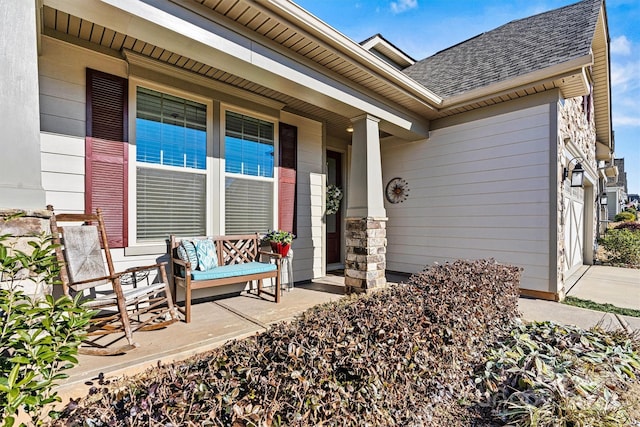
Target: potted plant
{"x": 279, "y": 240}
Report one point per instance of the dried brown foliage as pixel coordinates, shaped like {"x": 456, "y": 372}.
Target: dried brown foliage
{"x": 402, "y": 356}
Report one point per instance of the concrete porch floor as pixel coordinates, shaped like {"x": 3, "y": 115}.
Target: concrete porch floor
{"x": 213, "y": 323}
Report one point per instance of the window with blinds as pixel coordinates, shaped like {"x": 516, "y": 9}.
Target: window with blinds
{"x": 170, "y": 131}
{"x": 249, "y": 145}
{"x": 249, "y": 206}
{"x": 170, "y": 202}
{"x": 249, "y": 167}
{"x": 171, "y": 150}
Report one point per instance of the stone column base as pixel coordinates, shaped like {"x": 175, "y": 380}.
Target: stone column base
{"x": 366, "y": 248}
{"x": 23, "y": 227}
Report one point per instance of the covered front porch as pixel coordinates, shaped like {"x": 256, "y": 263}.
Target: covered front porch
{"x": 214, "y": 322}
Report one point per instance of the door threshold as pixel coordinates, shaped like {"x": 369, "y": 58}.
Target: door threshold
{"x": 335, "y": 266}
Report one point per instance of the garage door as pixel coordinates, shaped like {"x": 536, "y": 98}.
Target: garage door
{"x": 573, "y": 228}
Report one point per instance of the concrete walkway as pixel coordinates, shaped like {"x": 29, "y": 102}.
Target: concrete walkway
{"x": 598, "y": 283}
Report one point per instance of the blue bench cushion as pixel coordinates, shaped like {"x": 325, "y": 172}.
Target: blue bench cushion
{"x": 233, "y": 270}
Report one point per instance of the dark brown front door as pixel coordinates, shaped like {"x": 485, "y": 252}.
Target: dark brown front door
{"x": 334, "y": 221}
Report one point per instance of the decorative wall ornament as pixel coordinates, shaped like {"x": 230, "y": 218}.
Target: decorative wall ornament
{"x": 334, "y": 195}
{"x": 397, "y": 190}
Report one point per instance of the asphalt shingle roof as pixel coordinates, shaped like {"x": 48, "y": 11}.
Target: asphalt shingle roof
{"x": 514, "y": 49}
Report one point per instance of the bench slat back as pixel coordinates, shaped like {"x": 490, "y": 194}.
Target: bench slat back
{"x": 231, "y": 249}
{"x": 237, "y": 249}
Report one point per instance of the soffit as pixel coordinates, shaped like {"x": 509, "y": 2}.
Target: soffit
{"x": 72, "y": 29}
{"x": 309, "y": 49}
{"x": 602, "y": 81}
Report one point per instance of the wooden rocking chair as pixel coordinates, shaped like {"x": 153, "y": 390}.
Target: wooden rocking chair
{"x": 143, "y": 306}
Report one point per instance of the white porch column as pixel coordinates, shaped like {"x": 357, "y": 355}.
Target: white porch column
{"x": 365, "y": 179}
{"x": 20, "y": 170}
{"x": 365, "y": 223}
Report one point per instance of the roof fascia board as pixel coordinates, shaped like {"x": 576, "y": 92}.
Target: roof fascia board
{"x": 179, "y": 33}
{"x": 548, "y": 74}
{"x": 332, "y": 38}
{"x": 376, "y": 41}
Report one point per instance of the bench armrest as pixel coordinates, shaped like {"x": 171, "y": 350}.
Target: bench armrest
{"x": 178, "y": 261}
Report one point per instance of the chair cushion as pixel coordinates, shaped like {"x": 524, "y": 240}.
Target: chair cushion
{"x": 233, "y": 270}
{"x": 187, "y": 252}
{"x": 207, "y": 257}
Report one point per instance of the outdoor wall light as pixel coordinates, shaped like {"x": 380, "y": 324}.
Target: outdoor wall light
{"x": 577, "y": 173}
{"x": 604, "y": 199}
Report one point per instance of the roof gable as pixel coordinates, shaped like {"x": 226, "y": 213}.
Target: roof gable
{"x": 514, "y": 49}
{"x": 384, "y": 49}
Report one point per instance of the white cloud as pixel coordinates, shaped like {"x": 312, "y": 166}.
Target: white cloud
{"x": 625, "y": 75}
{"x": 626, "y": 121}
{"x": 621, "y": 45}
{"x": 403, "y": 5}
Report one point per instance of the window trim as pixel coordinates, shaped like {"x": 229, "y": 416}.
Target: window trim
{"x": 209, "y": 171}
{"x": 224, "y": 107}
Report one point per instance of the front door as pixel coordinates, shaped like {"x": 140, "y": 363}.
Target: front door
{"x": 334, "y": 221}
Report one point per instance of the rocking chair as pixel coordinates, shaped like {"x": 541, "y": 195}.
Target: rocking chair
{"x": 144, "y": 305}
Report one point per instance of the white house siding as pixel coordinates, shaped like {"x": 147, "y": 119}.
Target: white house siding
{"x": 479, "y": 189}
{"x": 62, "y": 68}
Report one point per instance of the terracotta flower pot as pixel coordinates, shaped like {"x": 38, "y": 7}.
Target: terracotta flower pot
{"x": 280, "y": 248}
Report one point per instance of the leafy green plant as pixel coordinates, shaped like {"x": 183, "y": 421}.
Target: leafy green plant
{"x": 622, "y": 246}
{"x": 279, "y": 236}
{"x": 39, "y": 337}
{"x": 546, "y": 374}
{"x": 625, "y": 216}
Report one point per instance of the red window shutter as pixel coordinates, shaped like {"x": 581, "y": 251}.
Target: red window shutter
{"x": 288, "y": 139}
{"x": 106, "y": 148}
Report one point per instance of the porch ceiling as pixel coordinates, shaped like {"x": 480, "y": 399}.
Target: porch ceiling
{"x": 61, "y": 25}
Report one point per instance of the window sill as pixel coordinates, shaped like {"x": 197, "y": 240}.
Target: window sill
{"x": 153, "y": 249}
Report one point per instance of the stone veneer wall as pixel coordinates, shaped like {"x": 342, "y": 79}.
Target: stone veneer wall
{"x": 366, "y": 249}
{"x": 580, "y": 130}
{"x": 23, "y": 226}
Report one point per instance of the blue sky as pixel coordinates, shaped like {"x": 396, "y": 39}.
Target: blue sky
{"x": 424, "y": 27}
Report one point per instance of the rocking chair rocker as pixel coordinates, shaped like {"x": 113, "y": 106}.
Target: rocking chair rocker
{"x": 144, "y": 305}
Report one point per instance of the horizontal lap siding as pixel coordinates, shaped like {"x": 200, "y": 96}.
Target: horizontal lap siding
{"x": 477, "y": 190}
{"x": 62, "y": 119}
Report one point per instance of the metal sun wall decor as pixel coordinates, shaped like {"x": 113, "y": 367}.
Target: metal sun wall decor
{"x": 397, "y": 190}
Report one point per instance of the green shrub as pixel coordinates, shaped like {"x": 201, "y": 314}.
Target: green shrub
{"x": 39, "y": 338}
{"x": 622, "y": 246}
{"x": 625, "y": 216}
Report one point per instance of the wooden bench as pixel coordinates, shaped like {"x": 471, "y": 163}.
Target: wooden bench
{"x": 238, "y": 259}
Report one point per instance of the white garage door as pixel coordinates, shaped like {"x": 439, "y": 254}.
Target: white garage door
{"x": 573, "y": 228}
